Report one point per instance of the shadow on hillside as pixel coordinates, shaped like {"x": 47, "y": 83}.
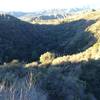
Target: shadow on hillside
{"x": 66, "y": 38}
{"x": 27, "y": 42}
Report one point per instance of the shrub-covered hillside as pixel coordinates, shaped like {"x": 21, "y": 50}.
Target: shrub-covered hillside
{"x": 72, "y": 76}
{"x": 26, "y": 42}
{"x": 93, "y": 52}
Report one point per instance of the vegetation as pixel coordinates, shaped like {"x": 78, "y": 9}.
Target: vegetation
{"x": 26, "y": 42}
{"x": 72, "y": 75}
{"x": 47, "y": 58}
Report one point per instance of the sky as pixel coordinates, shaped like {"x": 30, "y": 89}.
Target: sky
{"x": 36, "y": 5}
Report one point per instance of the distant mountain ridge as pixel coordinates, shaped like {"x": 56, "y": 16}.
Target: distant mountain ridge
{"x": 46, "y": 14}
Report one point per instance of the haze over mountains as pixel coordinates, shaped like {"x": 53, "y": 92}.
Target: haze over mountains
{"x": 47, "y": 14}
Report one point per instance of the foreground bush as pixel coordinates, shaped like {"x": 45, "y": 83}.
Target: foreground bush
{"x": 52, "y": 83}
{"x": 62, "y": 87}
{"x": 47, "y": 58}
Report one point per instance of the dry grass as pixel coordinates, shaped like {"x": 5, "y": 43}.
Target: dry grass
{"x": 94, "y": 51}
{"x": 33, "y": 64}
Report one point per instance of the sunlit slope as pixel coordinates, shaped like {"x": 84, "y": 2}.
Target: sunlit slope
{"x": 93, "y": 52}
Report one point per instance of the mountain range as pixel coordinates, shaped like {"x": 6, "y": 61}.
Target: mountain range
{"x": 47, "y": 14}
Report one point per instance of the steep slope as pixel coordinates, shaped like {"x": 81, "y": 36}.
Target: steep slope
{"x": 94, "y": 51}
{"x": 24, "y": 41}
{"x": 15, "y": 36}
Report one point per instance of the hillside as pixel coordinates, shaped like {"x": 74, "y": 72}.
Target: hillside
{"x": 83, "y": 65}
{"x": 26, "y": 42}
{"x": 65, "y": 59}
{"x": 94, "y": 51}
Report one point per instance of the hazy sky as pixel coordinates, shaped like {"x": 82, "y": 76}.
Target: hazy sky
{"x": 33, "y": 5}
